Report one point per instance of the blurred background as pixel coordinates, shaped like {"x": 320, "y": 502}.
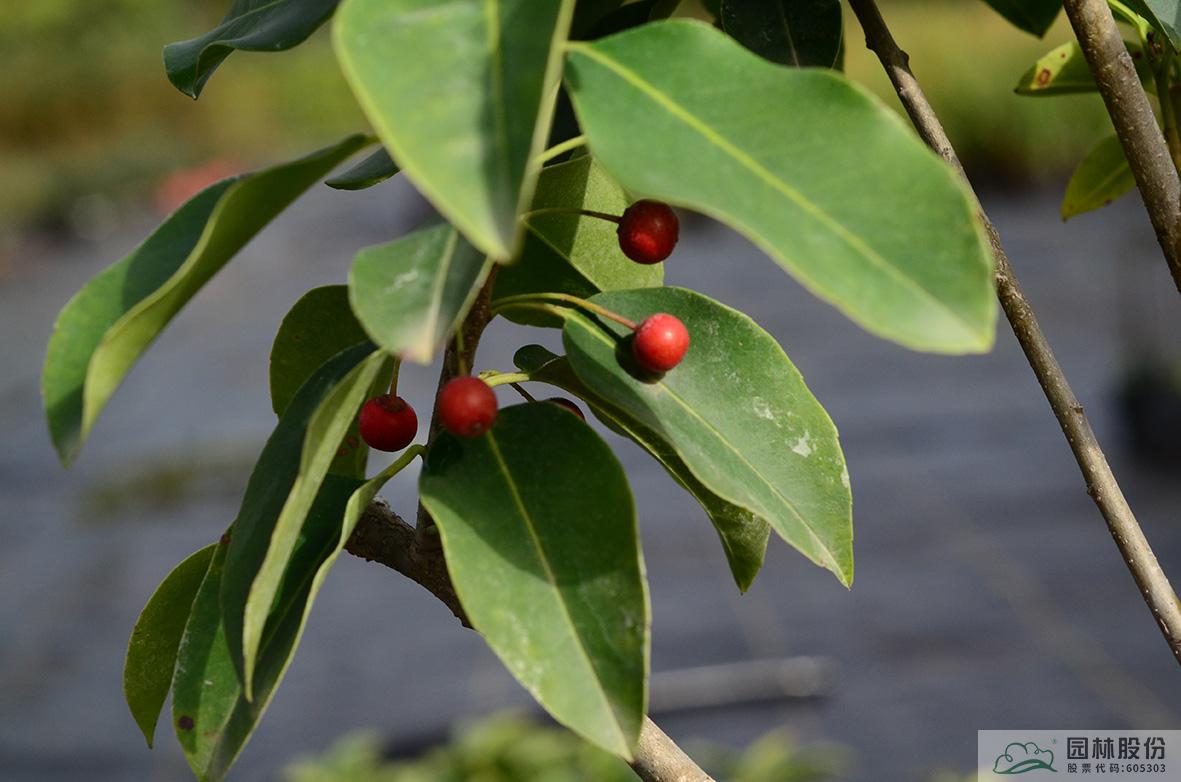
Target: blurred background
{"x": 988, "y": 593}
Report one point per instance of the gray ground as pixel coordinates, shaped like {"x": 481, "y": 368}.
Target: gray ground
{"x": 988, "y": 592}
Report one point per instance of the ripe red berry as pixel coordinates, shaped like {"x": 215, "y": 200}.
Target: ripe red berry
{"x": 648, "y": 231}
{"x": 566, "y": 403}
{"x": 388, "y": 423}
{"x": 660, "y": 342}
{"x": 467, "y": 406}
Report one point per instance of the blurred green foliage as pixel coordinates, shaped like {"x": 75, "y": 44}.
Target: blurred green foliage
{"x": 86, "y": 108}
{"x": 509, "y": 748}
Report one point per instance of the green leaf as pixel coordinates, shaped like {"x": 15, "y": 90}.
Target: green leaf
{"x": 1164, "y": 15}
{"x": 571, "y": 253}
{"x": 412, "y": 293}
{"x": 789, "y": 32}
{"x": 1064, "y": 70}
{"x": 108, "y": 325}
{"x": 808, "y": 166}
{"x": 461, "y": 94}
{"x": 1032, "y": 16}
{"x": 371, "y": 171}
{"x": 735, "y": 410}
{"x": 212, "y": 717}
{"x": 151, "y": 652}
{"x": 285, "y": 481}
{"x": 1101, "y": 177}
{"x": 743, "y": 535}
{"x": 539, "y": 528}
{"x": 320, "y": 325}
{"x": 251, "y": 26}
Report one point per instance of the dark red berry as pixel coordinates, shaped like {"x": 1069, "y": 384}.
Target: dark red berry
{"x": 467, "y": 406}
{"x": 660, "y": 342}
{"x": 388, "y": 423}
{"x": 566, "y": 403}
{"x": 648, "y": 231}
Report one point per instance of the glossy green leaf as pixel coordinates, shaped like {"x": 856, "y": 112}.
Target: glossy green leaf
{"x": 1101, "y": 177}
{"x": 1164, "y": 15}
{"x": 539, "y": 528}
{"x": 284, "y": 482}
{"x": 250, "y": 25}
{"x": 1032, "y": 16}
{"x": 411, "y": 294}
{"x": 789, "y": 32}
{"x": 736, "y": 411}
{"x": 371, "y": 171}
{"x": 108, "y": 325}
{"x": 807, "y": 165}
{"x": 461, "y": 94}
{"x": 212, "y": 717}
{"x": 151, "y": 652}
{"x": 743, "y": 535}
{"x": 570, "y": 253}
{"x": 1064, "y": 70}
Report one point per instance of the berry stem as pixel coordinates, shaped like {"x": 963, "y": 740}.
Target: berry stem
{"x": 394, "y": 377}
{"x": 561, "y": 210}
{"x": 521, "y": 390}
{"x": 525, "y": 304}
{"x": 558, "y": 149}
{"x": 534, "y": 301}
{"x": 460, "y": 363}
{"x": 399, "y": 464}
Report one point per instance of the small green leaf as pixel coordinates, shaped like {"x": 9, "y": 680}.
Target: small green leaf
{"x": 789, "y": 32}
{"x": 461, "y": 93}
{"x": 570, "y": 253}
{"x": 1032, "y": 16}
{"x": 736, "y": 412}
{"x": 151, "y": 652}
{"x": 108, "y": 325}
{"x": 539, "y": 528}
{"x": 1064, "y": 70}
{"x": 250, "y": 25}
{"x": 743, "y": 535}
{"x": 371, "y": 171}
{"x": 1101, "y": 177}
{"x": 411, "y": 294}
{"x": 284, "y": 483}
{"x": 1164, "y": 15}
{"x": 808, "y": 166}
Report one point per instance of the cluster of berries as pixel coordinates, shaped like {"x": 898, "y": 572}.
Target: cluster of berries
{"x": 467, "y": 405}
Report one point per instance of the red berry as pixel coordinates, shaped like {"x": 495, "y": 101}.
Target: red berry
{"x": 566, "y": 403}
{"x": 660, "y": 342}
{"x": 467, "y": 406}
{"x": 648, "y": 231}
{"x": 388, "y": 423}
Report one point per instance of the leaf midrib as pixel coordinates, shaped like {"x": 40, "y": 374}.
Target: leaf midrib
{"x": 711, "y": 135}
{"x": 536, "y": 540}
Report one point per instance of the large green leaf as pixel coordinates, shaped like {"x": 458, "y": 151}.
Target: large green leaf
{"x": 461, "y": 94}
{"x": 285, "y": 481}
{"x": 1032, "y": 16}
{"x": 212, "y": 717}
{"x": 250, "y": 25}
{"x": 1063, "y": 70}
{"x": 808, "y": 166}
{"x": 571, "y": 253}
{"x": 151, "y": 652}
{"x": 373, "y": 170}
{"x": 789, "y": 32}
{"x": 1101, "y": 177}
{"x": 1164, "y": 15}
{"x": 539, "y": 528}
{"x": 736, "y": 412}
{"x": 743, "y": 535}
{"x": 108, "y": 325}
{"x": 411, "y": 294}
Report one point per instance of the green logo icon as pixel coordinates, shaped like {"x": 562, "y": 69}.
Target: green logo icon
{"x": 1021, "y": 758}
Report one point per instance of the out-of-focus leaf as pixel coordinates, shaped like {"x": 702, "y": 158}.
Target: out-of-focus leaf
{"x": 371, "y": 171}
{"x": 788, "y": 32}
{"x": 1032, "y": 16}
{"x": 1063, "y": 70}
{"x": 1101, "y": 177}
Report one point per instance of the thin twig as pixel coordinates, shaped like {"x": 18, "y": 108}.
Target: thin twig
{"x": 1101, "y": 483}
{"x": 1135, "y": 124}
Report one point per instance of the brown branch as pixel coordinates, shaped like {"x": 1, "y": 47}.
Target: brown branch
{"x": 381, "y": 536}
{"x": 1131, "y": 113}
{"x": 1101, "y": 483}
